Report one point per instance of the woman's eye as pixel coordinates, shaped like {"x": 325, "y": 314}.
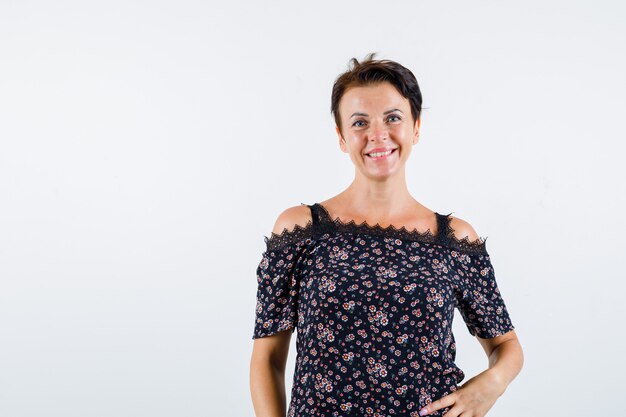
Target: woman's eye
{"x": 356, "y": 124}
{"x": 394, "y": 118}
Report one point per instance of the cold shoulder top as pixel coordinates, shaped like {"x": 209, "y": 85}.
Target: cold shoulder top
{"x": 373, "y": 307}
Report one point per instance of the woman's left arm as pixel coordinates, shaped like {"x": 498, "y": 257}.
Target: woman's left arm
{"x": 480, "y": 393}
{"x": 505, "y": 356}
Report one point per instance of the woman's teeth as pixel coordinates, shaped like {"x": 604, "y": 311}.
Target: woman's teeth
{"x": 379, "y": 154}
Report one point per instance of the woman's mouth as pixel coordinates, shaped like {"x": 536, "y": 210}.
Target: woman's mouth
{"x": 380, "y": 155}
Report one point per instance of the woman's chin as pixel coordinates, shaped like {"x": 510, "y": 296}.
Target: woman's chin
{"x": 380, "y": 173}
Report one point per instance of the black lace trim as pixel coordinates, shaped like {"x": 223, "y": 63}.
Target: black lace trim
{"x": 475, "y": 246}
{"x": 288, "y": 237}
{"x": 447, "y": 239}
{"x": 327, "y": 225}
{"x": 378, "y": 230}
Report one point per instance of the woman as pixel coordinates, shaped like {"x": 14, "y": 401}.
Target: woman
{"x": 371, "y": 278}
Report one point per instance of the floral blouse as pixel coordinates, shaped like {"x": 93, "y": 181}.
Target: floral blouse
{"x": 374, "y": 308}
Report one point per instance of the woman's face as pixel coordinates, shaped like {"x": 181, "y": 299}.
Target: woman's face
{"x": 377, "y": 118}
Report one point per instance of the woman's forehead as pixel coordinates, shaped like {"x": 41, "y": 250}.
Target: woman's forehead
{"x": 380, "y": 95}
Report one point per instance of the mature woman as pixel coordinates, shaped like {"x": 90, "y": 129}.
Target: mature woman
{"x": 371, "y": 278}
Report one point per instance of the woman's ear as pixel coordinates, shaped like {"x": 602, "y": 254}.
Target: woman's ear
{"x": 342, "y": 142}
{"x": 416, "y": 129}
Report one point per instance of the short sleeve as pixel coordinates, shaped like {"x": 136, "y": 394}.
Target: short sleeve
{"x": 479, "y": 300}
{"x": 278, "y": 280}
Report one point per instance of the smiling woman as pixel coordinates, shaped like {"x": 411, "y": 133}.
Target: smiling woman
{"x": 380, "y": 131}
{"x": 375, "y": 102}
{"x": 370, "y": 279}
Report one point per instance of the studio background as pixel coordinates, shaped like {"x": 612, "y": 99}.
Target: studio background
{"x": 146, "y": 148}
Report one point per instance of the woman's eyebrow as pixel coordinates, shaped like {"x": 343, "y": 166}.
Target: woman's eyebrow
{"x": 366, "y": 115}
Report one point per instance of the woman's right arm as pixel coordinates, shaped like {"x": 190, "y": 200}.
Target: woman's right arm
{"x": 267, "y": 374}
{"x": 269, "y": 353}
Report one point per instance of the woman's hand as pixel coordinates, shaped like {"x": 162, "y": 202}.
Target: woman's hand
{"x": 473, "y": 399}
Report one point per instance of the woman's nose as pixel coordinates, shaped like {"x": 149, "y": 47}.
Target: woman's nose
{"x": 378, "y": 131}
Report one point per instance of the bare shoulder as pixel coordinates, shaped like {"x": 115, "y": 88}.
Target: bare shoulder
{"x": 297, "y": 215}
{"x": 463, "y": 229}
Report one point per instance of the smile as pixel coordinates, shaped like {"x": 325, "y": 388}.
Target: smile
{"x": 380, "y": 155}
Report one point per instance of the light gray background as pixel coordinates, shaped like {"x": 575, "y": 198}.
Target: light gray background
{"x": 148, "y": 146}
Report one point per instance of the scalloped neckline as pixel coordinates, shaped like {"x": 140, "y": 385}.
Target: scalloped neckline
{"x": 445, "y": 236}
{"x": 326, "y": 224}
{"x": 365, "y": 226}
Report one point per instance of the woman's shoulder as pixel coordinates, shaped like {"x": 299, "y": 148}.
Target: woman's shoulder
{"x": 292, "y": 226}
{"x": 292, "y": 217}
{"x": 462, "y": 228}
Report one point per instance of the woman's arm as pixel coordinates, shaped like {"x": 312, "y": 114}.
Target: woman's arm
{"x": 504, "y": 352}
{"x": 269, "y": 354}
{"x": 477, "y": 395}
{"x": 505, "y": 356}
{"x": 267, "y": 374}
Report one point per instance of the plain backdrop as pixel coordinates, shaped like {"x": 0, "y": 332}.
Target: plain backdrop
{"x": 147, "y": 147}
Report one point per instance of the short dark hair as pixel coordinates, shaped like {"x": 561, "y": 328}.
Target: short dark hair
{"x": 371, "y": 71}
